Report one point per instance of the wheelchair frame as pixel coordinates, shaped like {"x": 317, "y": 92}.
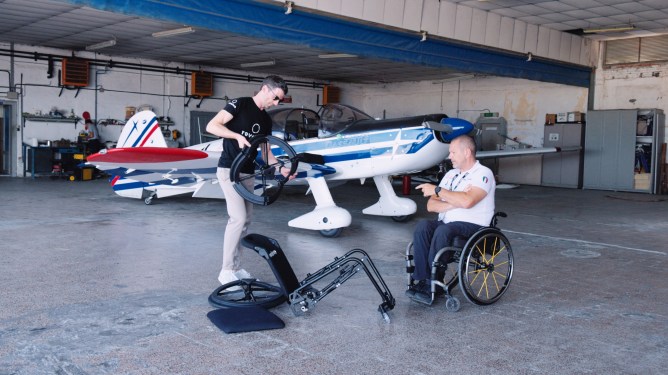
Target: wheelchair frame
{"x": 484, "y": 271}
{"x": 302, "y": 296}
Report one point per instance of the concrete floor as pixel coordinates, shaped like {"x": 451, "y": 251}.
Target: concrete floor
{"x": 93, "y": 283}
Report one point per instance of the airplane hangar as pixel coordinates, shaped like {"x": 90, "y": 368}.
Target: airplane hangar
{"x": 101, "y": 280}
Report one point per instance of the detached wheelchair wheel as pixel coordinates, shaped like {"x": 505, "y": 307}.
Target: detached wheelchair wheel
{"x": 267, "y": 179}
{"x": 486, "y": 267}
{"x": 247, "y": 292}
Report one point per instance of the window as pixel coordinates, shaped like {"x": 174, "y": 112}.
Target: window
{"x": 636, "y": 50}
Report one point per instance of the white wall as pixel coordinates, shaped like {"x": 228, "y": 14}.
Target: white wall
{"x": 164, "y": 93}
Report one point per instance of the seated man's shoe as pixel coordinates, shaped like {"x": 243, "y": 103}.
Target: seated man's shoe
{"x": 420, "y": 286}
{"x": 421, "y": 297}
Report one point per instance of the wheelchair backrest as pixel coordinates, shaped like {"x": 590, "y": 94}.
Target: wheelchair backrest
{"x": 495, "y": 219}
{"x": 269, "y": 249}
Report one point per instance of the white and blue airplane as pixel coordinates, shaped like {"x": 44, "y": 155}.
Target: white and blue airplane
{"x": 352, "y": 146}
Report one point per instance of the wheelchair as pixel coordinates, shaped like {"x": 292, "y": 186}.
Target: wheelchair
{"x": 303, "y": 295}
{"x": 482, "y": 265}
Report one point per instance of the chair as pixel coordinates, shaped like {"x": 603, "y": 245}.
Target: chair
{"x": 482, "y": 265}
{"x": 302, "y": 296}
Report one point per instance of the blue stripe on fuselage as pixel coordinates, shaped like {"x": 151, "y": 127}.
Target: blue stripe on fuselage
{"x": 421, "y": 136}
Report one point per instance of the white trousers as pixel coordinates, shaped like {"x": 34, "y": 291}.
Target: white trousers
{"x": 240, "y": 211}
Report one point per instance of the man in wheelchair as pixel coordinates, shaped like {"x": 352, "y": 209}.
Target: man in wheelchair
{"x": 464, "y": 201}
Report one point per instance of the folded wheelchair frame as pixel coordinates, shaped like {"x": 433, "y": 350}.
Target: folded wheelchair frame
{"x": 306, "y": 296}
{"x": 303, "y": 295}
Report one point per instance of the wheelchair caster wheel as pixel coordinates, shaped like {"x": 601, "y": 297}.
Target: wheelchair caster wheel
{"x": 452, "y": 304}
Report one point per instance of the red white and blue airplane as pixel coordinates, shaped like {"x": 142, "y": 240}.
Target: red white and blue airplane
{"x": 353, "y": 146}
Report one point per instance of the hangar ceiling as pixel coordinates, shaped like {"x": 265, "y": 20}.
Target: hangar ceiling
{"x": 75, "y": 24}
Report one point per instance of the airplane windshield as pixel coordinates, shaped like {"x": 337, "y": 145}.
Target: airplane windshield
{"x": 294, "y": 123}
{"x": 335, "y": 118}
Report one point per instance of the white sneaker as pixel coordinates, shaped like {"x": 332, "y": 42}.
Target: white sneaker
{"x": 228, "y": 276}
{"x": 242, "y": 274}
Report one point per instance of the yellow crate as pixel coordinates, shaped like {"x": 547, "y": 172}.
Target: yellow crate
{"x": 86, "y": 174}
{"x": 641, "y": 181}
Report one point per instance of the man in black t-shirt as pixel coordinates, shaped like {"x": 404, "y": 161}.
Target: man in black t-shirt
{"x": 238, "y": 123}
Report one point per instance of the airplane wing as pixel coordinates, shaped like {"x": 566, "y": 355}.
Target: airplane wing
{"x": 522, "y": 151}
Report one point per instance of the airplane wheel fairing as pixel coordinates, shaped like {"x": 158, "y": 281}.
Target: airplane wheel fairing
{"x": 268, "y": 182}
{"x": 249, "y": 292}
{"x": 331, "y": 233}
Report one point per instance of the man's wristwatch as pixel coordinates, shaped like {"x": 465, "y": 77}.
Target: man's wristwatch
{"x": 437, "y": 190}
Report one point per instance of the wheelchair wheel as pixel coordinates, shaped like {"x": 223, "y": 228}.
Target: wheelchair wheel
{"x": 251, "y": 292}
{"x": 267, "y": 181}
{"x": 486, "y": 267}
{"x": 452, "y": 304}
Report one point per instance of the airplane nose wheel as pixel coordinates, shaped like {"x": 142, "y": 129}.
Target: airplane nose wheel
{"x": 267, "y": 179}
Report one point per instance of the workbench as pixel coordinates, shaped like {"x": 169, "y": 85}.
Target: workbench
{"x": 64, "y": 156}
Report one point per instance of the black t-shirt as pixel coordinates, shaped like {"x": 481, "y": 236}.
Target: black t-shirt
{"x": 247, "y": 120}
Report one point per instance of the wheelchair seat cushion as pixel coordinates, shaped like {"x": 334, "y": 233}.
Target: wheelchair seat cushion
{"x": 244, "y": 319}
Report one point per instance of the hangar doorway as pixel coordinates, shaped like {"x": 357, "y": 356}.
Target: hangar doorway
{"x": 6, "y": 149}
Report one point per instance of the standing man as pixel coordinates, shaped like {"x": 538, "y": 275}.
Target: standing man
{"x": 464, "y": 201}
{"x": 238, "y": 123}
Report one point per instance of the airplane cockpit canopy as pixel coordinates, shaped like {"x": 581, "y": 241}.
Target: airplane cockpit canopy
{"x": 294, "y": 123}
{"x": 300, "y": 123}
{"x": 335, "y": 118}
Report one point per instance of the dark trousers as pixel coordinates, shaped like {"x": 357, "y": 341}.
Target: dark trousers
{"x": 430, "y": 236}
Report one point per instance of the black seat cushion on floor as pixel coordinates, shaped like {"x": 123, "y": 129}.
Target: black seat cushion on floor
{"x": 244, "y": 319}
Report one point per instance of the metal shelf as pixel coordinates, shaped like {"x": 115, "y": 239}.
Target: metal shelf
{"x": 52, "y": 119}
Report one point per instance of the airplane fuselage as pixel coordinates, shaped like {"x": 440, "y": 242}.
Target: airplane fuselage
{"x": 383, "y": 152}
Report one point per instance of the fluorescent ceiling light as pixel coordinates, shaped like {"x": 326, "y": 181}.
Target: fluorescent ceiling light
{"x": 336, "y": 56}
{"x": 608, "y": 29}
{"x": 166, "y": 33}
{"x": 105, "y": 44}
{"x": 259, "y": 63}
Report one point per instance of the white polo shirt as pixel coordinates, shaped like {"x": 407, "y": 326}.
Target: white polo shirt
{"x": 478, "y": 176}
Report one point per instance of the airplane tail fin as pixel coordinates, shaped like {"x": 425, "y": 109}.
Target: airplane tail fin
{"x": 142, "y": 130}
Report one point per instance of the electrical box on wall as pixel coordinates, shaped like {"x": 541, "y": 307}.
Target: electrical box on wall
{"x": 74, "y": 72}
{"x": 201, "y": 84}
{"x": 330, "y": 94}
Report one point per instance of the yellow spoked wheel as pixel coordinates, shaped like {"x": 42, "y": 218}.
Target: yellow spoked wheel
{"x": 486, "y": 267}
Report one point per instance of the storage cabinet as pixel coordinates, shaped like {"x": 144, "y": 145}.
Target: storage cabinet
{"x": 623, "y": 150}
{"x": 563, "y": 169}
